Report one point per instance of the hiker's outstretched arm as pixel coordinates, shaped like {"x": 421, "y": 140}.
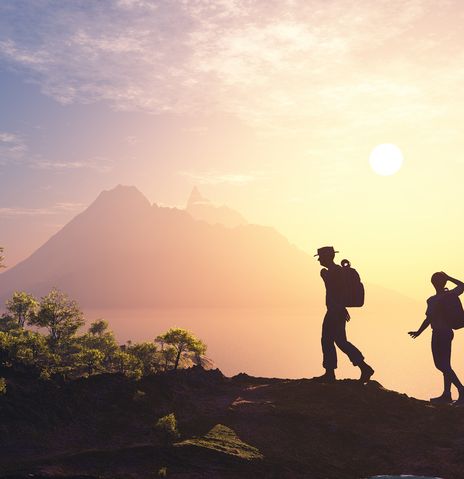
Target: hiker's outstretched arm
{"x": 459, "y": 285}
{"x": 423, "y": 327}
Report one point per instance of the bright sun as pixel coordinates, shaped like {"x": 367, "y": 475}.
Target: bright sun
{"x": 386, "y": 159}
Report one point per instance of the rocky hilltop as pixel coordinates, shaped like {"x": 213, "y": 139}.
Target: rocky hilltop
{"x": 239, "y": 427}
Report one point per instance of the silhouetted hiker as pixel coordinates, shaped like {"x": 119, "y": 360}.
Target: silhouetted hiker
{"x": 444, "y": 313}
{"x": 334, "y": 325}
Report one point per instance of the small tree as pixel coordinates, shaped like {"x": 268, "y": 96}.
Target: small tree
{"x": 22, "y": 307}
{"x": 183, "y": 342}
{"x": 166, "y": 428}
{"x": 99, "y": 327}
{"x": 60, "y": 315}
{"x": 128, "y": 364}
{"x": 146, "y": 353}
{"x": 167, "y": 356}
{"x": 91, "y": 359}
{"x": 2, "y": 386}
{"x": 8, "y": 323}
{"x": 100, "y": 338}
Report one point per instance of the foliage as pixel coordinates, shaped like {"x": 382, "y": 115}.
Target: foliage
{"x": 166, "y": 428}
{"x": 128, "y": 364}
{"x": 2, "y": 386}
{"x": 183, "y": 342}
{"x": 167, "y": 356}
{"x": 60, "y": 315}
{"x": 57, "y": 349}
{"x": 100, "y": 338}
{"x": 90, "y": 359}
{"x": 22, "y": 307}
{"x": 147, "y": 355}
{"x": 98, "y": 328}
{"x": 224, "y": 439}
{"x": 2, "y": 257}
{"x": 163, "y": 472}
{"x": 7, "y": 323}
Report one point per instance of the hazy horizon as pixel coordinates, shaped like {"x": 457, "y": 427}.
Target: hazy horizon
{"x": 11, "y": 264}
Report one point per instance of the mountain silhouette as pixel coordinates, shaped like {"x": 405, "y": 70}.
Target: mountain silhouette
{"x": 124, "y": 252}
{"x": 201, "y": 208}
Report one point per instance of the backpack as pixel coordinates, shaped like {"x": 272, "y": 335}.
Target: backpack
{"x": 353, "y": 289}
{"x": 452, "y": 310}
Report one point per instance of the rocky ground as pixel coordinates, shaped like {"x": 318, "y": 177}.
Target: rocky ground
{"x": 240, "y": 427}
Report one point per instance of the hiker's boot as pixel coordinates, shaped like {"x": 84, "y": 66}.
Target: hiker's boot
{"x": 460, "y": 400}
{"x": 326, "y": 378}
{"x": 366, "y": 373}
{"x": 443, "y": 399}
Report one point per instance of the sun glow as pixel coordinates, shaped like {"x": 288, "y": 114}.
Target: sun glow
{"x": 386, "y": 159}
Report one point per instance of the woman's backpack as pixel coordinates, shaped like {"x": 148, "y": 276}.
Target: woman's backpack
{"x": 452, "y": 310}
{"x": 352, "y": 286}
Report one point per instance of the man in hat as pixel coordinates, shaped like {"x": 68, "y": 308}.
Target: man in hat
{"x": 334, "y": 325}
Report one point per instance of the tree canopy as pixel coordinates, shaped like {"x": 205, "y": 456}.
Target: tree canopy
{"x": 56, "y": 347}
{"x": 183, "y": 342}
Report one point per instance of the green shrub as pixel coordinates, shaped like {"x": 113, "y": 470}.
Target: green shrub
{"x": 2, "y": 386}
{"x": 166, "y": 428}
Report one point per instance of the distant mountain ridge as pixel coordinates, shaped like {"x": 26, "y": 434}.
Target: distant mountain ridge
{"x": 124, "y": 252}
{"x": 202, "y": 209}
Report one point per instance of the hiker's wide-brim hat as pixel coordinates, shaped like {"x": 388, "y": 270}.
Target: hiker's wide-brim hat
{"x": 326, "y": 250}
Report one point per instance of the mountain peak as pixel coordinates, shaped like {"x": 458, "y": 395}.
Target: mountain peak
{"x": 124, "y": 190}
{"x": 200, "y": 208}
{"x": 120, "y": 195}
{"x": 196, "y": 198}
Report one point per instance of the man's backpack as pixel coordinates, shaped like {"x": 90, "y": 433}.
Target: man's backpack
{"x": 452, "y": 310}
{"x": 353, "y": 289}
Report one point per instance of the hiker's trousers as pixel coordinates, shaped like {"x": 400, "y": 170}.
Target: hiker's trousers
{"x": 334, "y": 334}
{"x": 441, "y": 349}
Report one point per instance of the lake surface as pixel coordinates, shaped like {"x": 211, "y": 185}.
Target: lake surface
{"x": 403, "y": 477}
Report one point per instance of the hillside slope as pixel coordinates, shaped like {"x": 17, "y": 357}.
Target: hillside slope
{"x": 230, "y": 428}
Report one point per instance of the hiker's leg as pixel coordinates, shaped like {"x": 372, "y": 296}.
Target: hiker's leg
{"x": 441, "y": 351}
{"x": 328, "y": 344}
{"x": 446, "y": 385}
{"x": 342, "y": 342}
{"x": 449, "y": 371}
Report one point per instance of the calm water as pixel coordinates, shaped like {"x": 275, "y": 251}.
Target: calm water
{"x": 403, "y": 477}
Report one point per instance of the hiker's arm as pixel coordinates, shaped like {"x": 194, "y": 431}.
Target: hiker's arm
{"x": 459, "y": 285}
{"x": 423, "y": 327}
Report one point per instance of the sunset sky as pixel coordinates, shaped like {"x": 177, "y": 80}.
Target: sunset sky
{"x": 271, "y": 107}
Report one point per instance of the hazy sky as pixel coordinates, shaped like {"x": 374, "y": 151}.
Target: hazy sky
{"x": 269, "y": 106}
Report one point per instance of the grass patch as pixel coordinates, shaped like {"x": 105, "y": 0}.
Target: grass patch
{"x": 223, "y": 439}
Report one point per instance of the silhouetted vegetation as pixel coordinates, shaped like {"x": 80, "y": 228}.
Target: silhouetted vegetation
{"x": 166, "y": 429}
{"x": 181, "y": 342}
{"x": 45, "y": 334}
